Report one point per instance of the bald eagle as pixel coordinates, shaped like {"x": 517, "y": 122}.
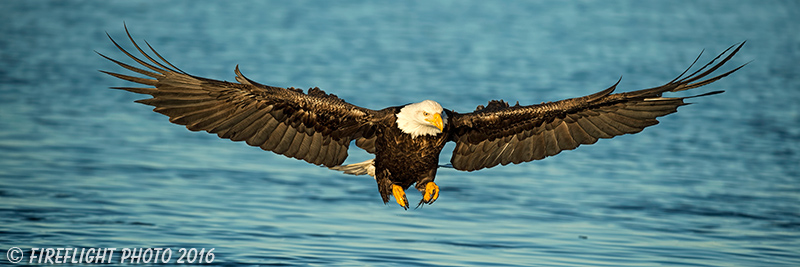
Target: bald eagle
{"x": 406, "y": 140}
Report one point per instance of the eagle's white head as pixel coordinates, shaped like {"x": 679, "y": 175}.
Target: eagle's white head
{"x": 423, "y": 118}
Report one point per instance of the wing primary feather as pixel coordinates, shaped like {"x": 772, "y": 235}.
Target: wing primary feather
{"x": 244, "y": 128}
{"x": 695, "y": 73}
{"x": 142, "y": 62}
{"x": 207, "y": 123}
{"x": 240, "y": 113}
{"x": 706, "y": 94}
{"x": 129, "y": 67}
{"x": 710, "y": 80}
{"x": 138, "y": 90}
{"x": 262, "y": 135}
{"x": 145, "y": 54}
{"x": 167, "y": 104}
{"x": 131, "y": 78}
{"x": 163, "y": 59}
{"x": 696, "y": 76}
{"x": 689, "y": 68}
{"x": 251, "y": 126}
{"x": 191, "y": 112}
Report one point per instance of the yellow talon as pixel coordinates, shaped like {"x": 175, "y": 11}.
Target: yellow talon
{"x": 431, "y": 192}
{"x": 400, "y": 196}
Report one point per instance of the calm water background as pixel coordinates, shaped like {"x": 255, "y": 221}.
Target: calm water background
{"x": 717, "y": 184}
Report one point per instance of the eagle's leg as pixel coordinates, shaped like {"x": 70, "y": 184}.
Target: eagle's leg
{"x": 387, "y": 187}
{"x": 430, "y": 194}
{"x": 400, "y": 196}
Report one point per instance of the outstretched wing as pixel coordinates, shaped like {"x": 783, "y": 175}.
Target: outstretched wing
{"x": 501, "y": 134}
{"x": 315, "y": 127}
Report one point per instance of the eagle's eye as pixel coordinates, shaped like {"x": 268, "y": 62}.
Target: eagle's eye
{"x": 425, "y": 114}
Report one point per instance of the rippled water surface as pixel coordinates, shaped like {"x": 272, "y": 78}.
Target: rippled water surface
{"x": 717, "y": 184}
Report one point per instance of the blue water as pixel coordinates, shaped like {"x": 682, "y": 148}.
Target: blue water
{"x": 717, "y": 184}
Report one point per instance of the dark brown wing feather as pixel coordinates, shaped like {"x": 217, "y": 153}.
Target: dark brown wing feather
{"x": 315, "y": 127}
{"x": 501, "y": 134}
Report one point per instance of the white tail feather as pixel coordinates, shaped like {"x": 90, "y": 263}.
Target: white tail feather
{"x": 361, "y": 168}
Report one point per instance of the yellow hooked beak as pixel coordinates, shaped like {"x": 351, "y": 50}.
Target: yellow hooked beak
{"x": 436, "y": 120}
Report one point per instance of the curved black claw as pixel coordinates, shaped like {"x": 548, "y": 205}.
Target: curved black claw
{"x": 430, "y": 195}
{"x": 400, "y": 196}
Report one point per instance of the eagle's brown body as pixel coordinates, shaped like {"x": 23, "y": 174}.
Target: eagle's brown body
{"x": 404, "y": 161}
